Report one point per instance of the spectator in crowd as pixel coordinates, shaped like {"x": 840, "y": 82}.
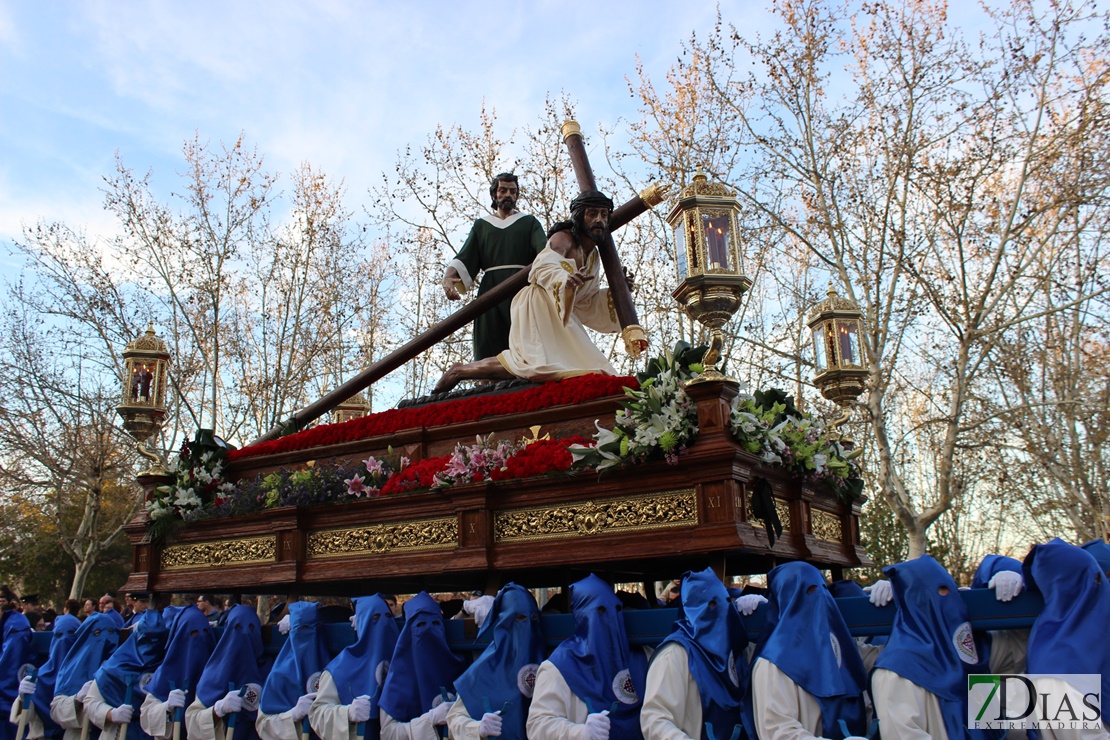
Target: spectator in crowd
{"x": 210, "y": 606}
{"x": 108, "y": 603}
{"x": 89, "y": 608}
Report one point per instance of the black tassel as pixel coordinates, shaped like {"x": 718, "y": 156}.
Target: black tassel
{"x": 763, "y": 507}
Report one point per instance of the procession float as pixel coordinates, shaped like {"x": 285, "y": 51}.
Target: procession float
{"x": 637, "y": 479}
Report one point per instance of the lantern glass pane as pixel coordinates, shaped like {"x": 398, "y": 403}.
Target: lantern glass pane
{"x": 848, "y": 341}
{"x": 831, "y": 354}
{"x": 819, "y": 349}
{"x": 680, "y": 250}
{"x": 142, "y": 382}
{"x": 718, "y": 240}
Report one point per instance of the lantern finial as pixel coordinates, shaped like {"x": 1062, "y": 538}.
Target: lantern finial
{"x": 143, "y": 409}
{"x": 707, "y": 252}
{"x": 841, "y": 375}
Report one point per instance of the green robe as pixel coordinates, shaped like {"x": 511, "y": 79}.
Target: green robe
{"x": 498, "y": 248}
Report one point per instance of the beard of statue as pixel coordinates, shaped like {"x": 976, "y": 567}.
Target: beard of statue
{"x": 506, "y": 205}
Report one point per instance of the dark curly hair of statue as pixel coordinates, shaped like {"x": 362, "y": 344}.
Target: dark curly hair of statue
{"x": 503, "y": 177}
{"x": 587, "y": 199}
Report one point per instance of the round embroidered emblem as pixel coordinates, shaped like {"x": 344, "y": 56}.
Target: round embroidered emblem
{"x": 251, "y": 696}
{"x": 836, "y": 650}
{"x": 312, "y": 685}
{"x": 623, "y": 688}
{"x": 732, "y": 674}
{"x": 380, "y": 672}
{"x": 526, "y": 679}
{"x": 964, "y": 641}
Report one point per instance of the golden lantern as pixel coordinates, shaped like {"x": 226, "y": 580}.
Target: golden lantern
{"x": 354, "y": 407}
{"x": 146, "y": 370}
{"x": 836, "y": 323}
{"x": 707, "y": 252}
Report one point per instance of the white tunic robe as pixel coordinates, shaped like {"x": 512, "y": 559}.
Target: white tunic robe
{"x": 68, "y": 714}
{"x": 556, "y": 712}
{"x": 548, "y": 339}
{"x": 783, "y": 709}
{"x": 156, "y": 718}
{"x": 329, "y": 718}
{"x": 34, "y": 729}
{"x": 280, "y": 726}
{"x": 97, "y": 709}
{"x": 906, "y": 711}
{"x": 672, "y": 702}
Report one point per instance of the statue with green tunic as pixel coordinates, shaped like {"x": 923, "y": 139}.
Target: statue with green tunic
{"x": 498, "y": 246}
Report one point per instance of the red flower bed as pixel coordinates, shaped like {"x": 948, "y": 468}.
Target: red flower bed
{"x": 557, "y": 393}
{"x": 420, "y": 474}
{"x": 539, "y": 458}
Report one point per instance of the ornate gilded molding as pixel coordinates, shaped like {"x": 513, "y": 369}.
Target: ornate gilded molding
{"x": 441, "y": 533}
{"x": 646, "y": 511}
{"x": 826, "y": 526}
{"x": 220, "y": 552}
{"x": 783, "y": 509}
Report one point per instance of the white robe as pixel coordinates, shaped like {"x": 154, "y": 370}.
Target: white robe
{"x": 461, "y": 725}
{"x": 906, "y": 711}
{"x": 672, "y": 702}
{"x": 329, "y": 718}
{"x": 420, "y": 728}
{"x": 279, "y": 726}
{"x": 202, "y": 723}
{"x": 97, "y": 709}
{"x": 68, "y": 714}
{"x": 156, "y": 718}
{"x": 548, "y": 339}
{"x": 34, "y": 729}
{"x": 556, "y": 713}
{"x": 783, "y": 709}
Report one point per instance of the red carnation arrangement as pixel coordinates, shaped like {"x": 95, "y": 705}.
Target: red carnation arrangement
{"x": 557, "y": 393}
{"x": 540, "y": 458}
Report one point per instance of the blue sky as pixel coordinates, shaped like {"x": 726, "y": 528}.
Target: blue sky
{"x": 343, "y": 85}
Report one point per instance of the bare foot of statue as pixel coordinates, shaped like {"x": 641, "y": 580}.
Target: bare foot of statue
{"x": 450, "y": 379}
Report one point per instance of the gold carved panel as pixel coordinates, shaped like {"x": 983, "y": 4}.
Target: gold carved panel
{"x": 418, "y": 535}
{"x": 826, "y": 526}
{"x": 781, "y": 506}
{"x": 220, "y": 552}
{"x": 660, "y": 510}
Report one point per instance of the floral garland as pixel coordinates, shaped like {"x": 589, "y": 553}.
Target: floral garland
{"x": 657, "y": 421}
{"x": 768, "y": 426}
{"x": 570, "y": 391}
{"x": 197, "y": 482}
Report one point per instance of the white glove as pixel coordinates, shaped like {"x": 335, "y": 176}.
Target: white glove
{"x": 438, "y": 713}
{"x": 359, "y": 711}
{"x": 490, "y": 725}
{"x": 597, "y": 726}
{"x": 230, "y": 704}
{"x": 479, "y": 608}
{"x": 353, "y": 625}
{"x": 83, "y": 691}
{"x": 283, "y": 625}
{"x": 27, "y": 686}
{"x": 175, "y": 699}
{"x": 748, "y": 603}
{"x": 121, "y": 715}
{"x": 1006, "y": 584}
{"x": 301, "y": 708}
{"x": 881, "y": 593}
